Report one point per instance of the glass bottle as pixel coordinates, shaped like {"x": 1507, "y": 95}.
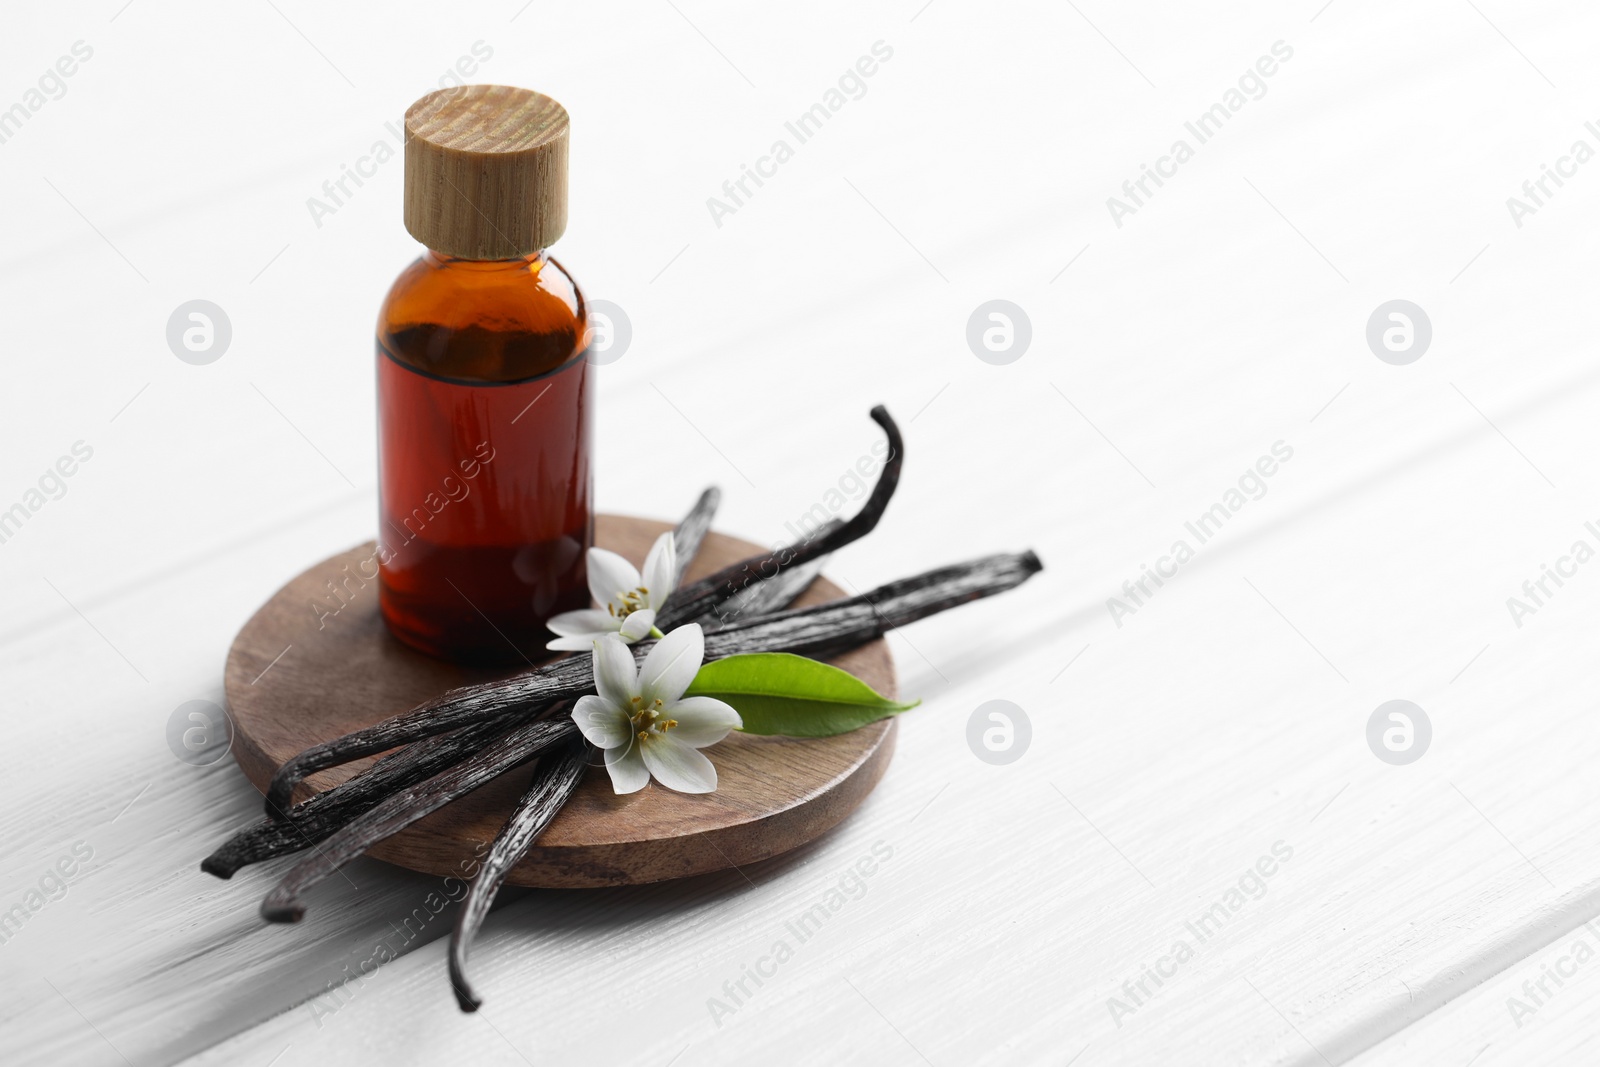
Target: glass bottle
{"x": 484, "y": 404}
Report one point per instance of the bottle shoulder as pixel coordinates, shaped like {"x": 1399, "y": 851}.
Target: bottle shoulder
{"x": 483, "y": 321}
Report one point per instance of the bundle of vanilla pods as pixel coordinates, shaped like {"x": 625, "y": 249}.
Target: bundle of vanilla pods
{"x": 456, "y": 742}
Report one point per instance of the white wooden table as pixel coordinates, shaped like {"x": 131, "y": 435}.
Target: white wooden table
{"x": 1016, "y": 909}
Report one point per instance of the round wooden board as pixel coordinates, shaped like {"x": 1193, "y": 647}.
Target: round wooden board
{"x": 297, "y": 675}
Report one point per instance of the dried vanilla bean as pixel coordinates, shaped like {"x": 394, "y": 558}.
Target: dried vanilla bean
{"x": 827, "y": 630}
{"x": 690, "y": 534}
{"x": 769, "y": 594}
{"x": 320, "y": 815}
{"x": 556, "y": 776}
{"x": 696, "y": 599}
{"x": 820, "y": 631}
{"x": 405, "y": 806}
{"x": 570, "y": 676}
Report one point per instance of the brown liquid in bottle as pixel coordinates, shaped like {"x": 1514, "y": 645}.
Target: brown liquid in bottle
{"x": 483, "y": 441}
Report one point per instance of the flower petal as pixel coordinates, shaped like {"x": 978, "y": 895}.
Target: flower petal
{"x": 601, "y": 722}
{"x": 575, "y": 643}
{"x": 610, "y": 576}
{"x": 660, "y": 570}
{"x": 677, "y": 766}
{"x": 702, "y": 721}
{"x": 672, "y": 664}
{"x": 638, "y": 625}
{"x": 614, "y": 675}
{"x": 627, "y": 769}
{"x": 587, "y": 621}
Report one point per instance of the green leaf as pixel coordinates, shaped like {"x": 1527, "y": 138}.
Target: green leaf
{"x": 781, "y": 693}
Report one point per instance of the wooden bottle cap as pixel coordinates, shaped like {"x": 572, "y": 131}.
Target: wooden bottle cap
{"x": 486, "y": 171}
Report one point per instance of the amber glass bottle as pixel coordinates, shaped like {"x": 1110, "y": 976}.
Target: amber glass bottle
{"x": 483, "y": 388}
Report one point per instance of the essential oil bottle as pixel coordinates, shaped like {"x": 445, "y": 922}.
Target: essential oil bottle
{"x": 484, "y": 404}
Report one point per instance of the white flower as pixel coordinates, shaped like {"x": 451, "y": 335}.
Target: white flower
{"x": 644, "y": 722}
{"x": 630, "y": 602}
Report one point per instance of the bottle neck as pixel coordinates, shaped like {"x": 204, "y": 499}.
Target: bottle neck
{"x": 532, "y": 263}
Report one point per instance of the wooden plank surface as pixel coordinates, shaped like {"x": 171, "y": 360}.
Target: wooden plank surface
{"x": 1177, "y": 750}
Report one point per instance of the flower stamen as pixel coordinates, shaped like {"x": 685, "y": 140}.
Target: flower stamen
{"x": 629, "y": 602}
{"x": 647, "y": 721}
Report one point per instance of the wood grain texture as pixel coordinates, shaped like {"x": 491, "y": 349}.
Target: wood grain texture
{"x": 343, "y": 671}
{"x": 486, "y": 171}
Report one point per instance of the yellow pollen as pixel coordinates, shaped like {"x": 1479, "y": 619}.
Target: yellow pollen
{"x": 648, "y": 720}
{"x": 627, "y": 603}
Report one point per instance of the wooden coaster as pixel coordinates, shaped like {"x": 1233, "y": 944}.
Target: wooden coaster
{"x": 298, "y": 673}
